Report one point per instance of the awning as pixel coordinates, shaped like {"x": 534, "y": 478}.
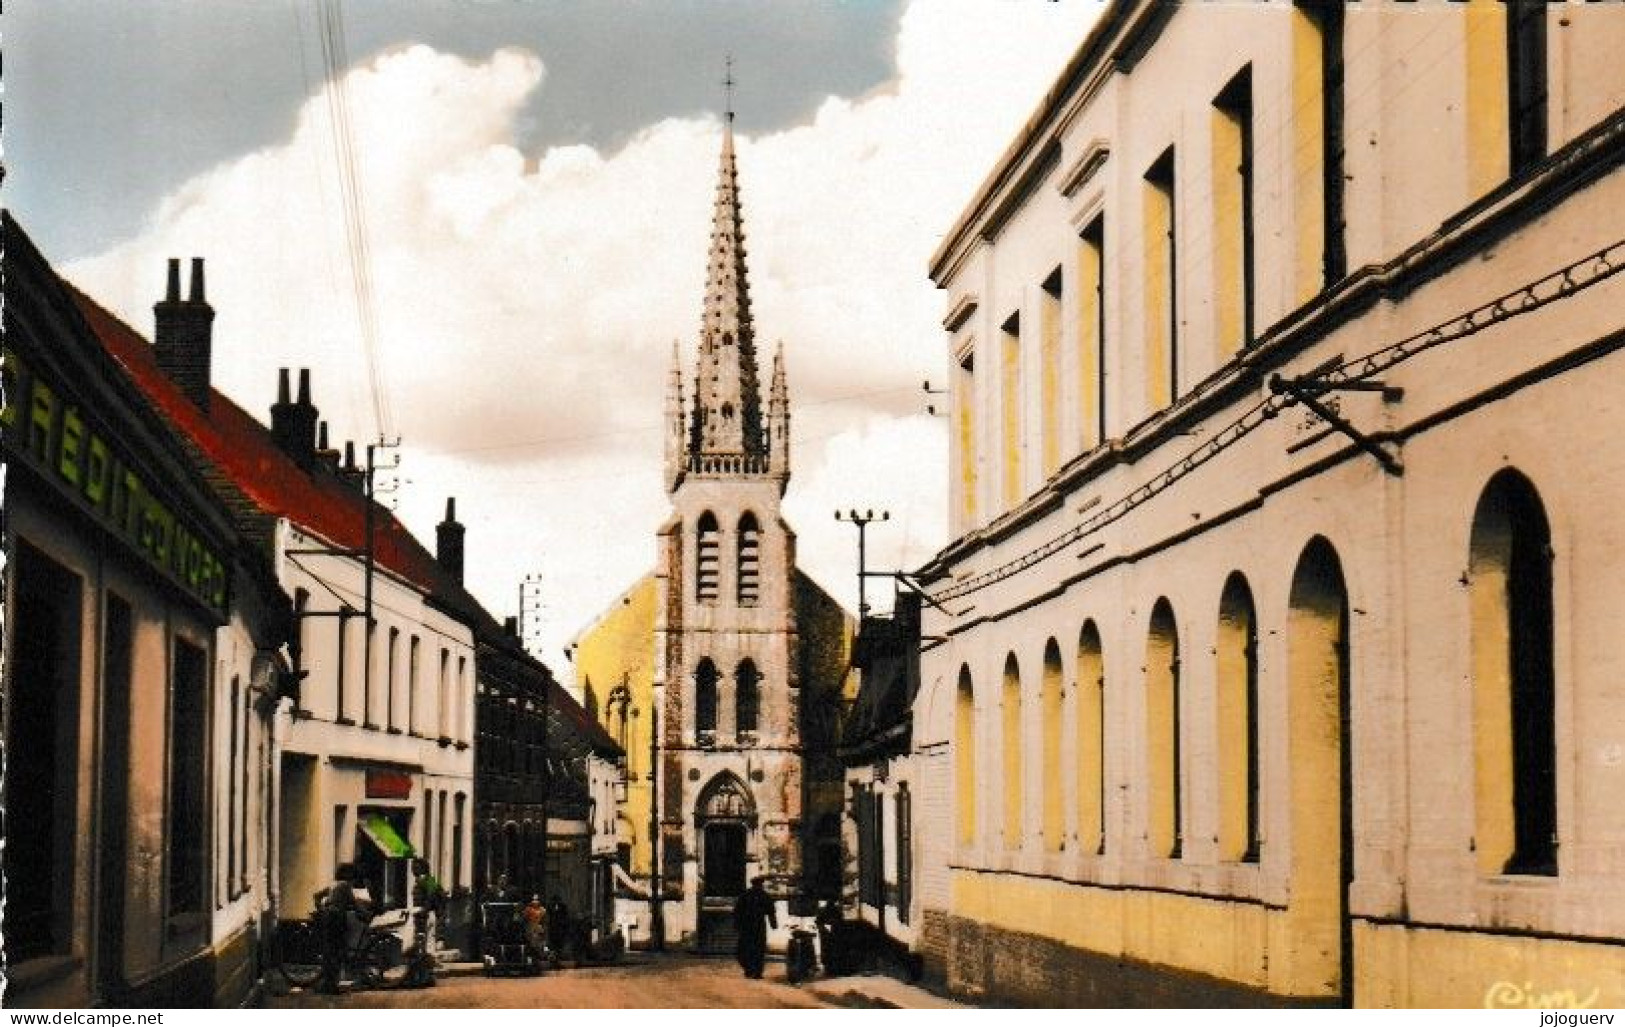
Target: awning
{"x": 383, "y": 835}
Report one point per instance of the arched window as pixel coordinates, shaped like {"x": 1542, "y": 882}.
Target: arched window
{"x": 965, "y": 756}
{"x": 1050, "y": 710}
{"x": 707, "y": 566}
{"x": 747, "y": 698}
{"x": 705, "y": 701}
{"x": 1091, "y": 741}
{"x": 1237, "y": 676}
{"x": 1515, "y": 742}
{"x": 1321, "y": 862}
{"x": 750, "y": 560}
{"x": 1010, "y": 744}
{"x": 1162, "y": 731}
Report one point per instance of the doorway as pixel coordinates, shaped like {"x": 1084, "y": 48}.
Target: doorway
{"x": 724, "y": 860}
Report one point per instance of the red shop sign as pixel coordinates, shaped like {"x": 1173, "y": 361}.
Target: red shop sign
{"x": 389, "y": 784}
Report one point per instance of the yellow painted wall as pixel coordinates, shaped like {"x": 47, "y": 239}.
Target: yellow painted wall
{"x": 1227, "y": 233}
{"x": 1488, "y": 140}
{"x": 1235, "y": 622}
{"x": 965, "y": 404}
{"x": 1091, "y": 742}
{"x": 621, "y": 643}
{"x": 1493, "y": 825}
{"x": 1089, "y": 370}
{"x": 1404, "y": 967}
{"x": 1049, "y": 340}
{"x": 1158, "y": 212}
{"x": 1050, "y": 713}
{"x": 1010, "y": 416}
{"x": 965, "y": 760}
{"x": 1226, "y": 940}
{"x": 1308, "y": 157}
{"x": 1010, "y": 753}
{"x": 1161, "y": 692}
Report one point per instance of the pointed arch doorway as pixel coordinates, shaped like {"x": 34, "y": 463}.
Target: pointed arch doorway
{"x": 724, "y": 817}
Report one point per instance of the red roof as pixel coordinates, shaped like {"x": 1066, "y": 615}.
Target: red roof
{"x": 314, "y": 500}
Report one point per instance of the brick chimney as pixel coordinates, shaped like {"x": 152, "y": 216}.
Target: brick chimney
{"x": 183, "y": 334}
{"x": 448, "y": 536}
{"x": 293, "y": 425}
{"x": 350, "y": 471}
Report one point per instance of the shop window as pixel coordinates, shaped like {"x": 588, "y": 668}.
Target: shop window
{"x": 42, "y": 756}
{"x": 188, "y": 772}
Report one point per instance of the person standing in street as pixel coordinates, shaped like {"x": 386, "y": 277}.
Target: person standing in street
{"x": 753, "y": 914}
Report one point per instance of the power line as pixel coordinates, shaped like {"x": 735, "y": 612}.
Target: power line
{"x": 1560, "y": 284}
{"x": 335, "y": 58}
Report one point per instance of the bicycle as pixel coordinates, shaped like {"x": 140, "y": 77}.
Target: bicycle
{"x": 376, "y": 959}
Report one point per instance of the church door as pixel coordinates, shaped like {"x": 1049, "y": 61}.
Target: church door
{"x": 724, "y": 860}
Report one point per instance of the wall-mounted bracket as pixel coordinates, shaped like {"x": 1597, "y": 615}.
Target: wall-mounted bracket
{"x": 1308, "y": 390}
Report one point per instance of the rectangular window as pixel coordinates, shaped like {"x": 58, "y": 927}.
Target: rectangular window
{"x": 1049, "y": 340}
{"x": 412, "y": 687}
{"x": 243, "y": 793}
{"x": 391, "y": 682}
{"x": 459, "y": 712}
{"x": 188, "y": 734}
{"x": 443, "y": 696}
{"x": 42, "y": 755}
{"x": 1010, "y": 408}
{"x": 340, "y": 711}
{"x": 456, "y": 839}
{"x": 229, "y": 876}
{"x": 965, "y": 405}
{"x": 301, "y": 625}
{"x": 1092, "y": 332}
{"x": 1526, "y": 81}
{"x": 1161, "y": 285}
{"x": 1318, "y": 144}
{"x": 369, "y": 664}
{"x": 1233, "y": 214}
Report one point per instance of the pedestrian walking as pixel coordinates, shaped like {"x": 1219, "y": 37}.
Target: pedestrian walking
{"x": 753, "y": 913}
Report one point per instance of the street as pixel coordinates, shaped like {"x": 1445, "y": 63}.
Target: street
{"x": 643, "y": 981}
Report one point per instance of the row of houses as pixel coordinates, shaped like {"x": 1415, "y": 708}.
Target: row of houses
{"x": 230, "y": 669}
{"x": 1274, "y": 656}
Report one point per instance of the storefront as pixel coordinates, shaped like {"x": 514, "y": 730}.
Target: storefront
{"x": 117, "y": 581}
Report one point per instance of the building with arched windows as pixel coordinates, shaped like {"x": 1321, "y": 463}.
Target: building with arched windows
{"x": 728, "y": 655}
{"x": 1274, "y": 657}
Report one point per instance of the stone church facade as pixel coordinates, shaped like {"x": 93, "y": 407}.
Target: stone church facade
{"x": 749, "y": 656}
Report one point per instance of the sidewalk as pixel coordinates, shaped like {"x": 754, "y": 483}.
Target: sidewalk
{"x": 878, "y": 991}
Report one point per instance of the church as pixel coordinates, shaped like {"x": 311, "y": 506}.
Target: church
{"x": 722, "y": 672}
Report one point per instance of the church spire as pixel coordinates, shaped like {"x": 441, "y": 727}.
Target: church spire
{"x": 726, "y": 417}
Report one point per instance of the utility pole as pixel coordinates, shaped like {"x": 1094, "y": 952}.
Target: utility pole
{"x": 863, "y": 521}
{"x": 657, "y": 915}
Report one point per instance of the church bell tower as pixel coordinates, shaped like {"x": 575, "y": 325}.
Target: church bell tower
{"x": 730, "y": 773}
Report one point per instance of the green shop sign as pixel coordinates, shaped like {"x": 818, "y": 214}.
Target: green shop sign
{"x": 46, "y": 431}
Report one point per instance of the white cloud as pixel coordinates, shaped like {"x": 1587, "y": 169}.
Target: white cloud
{"x": 527, "y": 303}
